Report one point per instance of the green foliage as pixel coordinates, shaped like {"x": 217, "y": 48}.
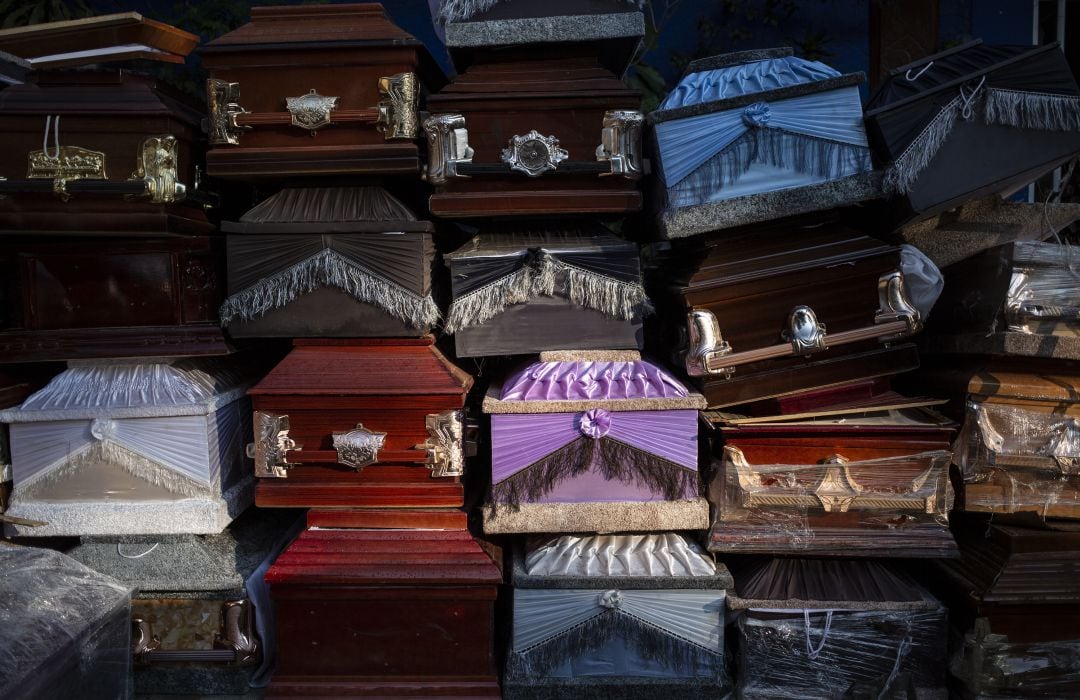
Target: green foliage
{"x": 20, "y": 13}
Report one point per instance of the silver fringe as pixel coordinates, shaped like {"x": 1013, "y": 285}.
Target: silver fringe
{"x": 135, "y": 464}
{"x": 1032, "y": 110}
{"x": 905, "y": 170}
{"x": 459, "y": 10}
{"x": 328, "y": 268}
{"x": 541, "y": 277}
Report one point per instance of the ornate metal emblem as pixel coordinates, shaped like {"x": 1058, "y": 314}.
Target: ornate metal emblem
{"x": 70, "y": 163}
{"x": 447, "y": 445}
{"x": 359, "y": 447}
{"x": 398, "y": 118}
{"x": 157, "y": 168}
{"x": 223, "y": 105}
{"x": 448, "y": 145}
{"x": 272, "y": 443}
{"x": 310, "y": 111}
{"x": 804, "y": 332}
{"x": 620, "y": 143}
{"x": 534, "y": 154}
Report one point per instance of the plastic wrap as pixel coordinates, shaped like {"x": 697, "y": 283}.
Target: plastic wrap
{"x": 65, "y": 630}
{"x": 988, "y": 665}
{"x": 1044, "y": 290}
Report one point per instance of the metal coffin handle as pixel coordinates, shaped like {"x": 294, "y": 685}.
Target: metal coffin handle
{"x": 235, "y": 642}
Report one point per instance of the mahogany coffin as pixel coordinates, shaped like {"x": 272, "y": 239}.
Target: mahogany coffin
{"x": 384, "y": 613}
{"x": 361, "y": 423}
{"x": 522, "y": 134}
{"x": 779, "y": 314}
{"x": 316, "y": 90}
{"x": 134, "y": 297}
{"x": 96, "y": 151}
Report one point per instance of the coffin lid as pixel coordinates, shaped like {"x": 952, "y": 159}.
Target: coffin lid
{"x": 797, "y": 584}
{"x": 991, "y": 384}
{"x": 139, "y": 388}
{"x": 328, "y": 210}
{"x": 910, "y": 420}
{"x": 13, "y": 70}
{"x": 374, "y": 558}
{"x": 449, "y": 11}
{"x": 126, "y": 35}
{"x": 376, "y": 367}
{"x": 307, "y": 27}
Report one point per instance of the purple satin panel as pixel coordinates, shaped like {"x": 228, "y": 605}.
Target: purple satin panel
{"x": 519, "y": 439}
{"x": 578, "y": 381}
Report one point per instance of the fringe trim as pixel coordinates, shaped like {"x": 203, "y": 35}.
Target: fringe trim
{"x": 1032, "y": 110}
{"x": 776, "y": 147}
{"x": 135, "y": 464}
{"x": 540, "y": 277}
{"x": 458, "y": 10}
{"x": 328, "y": 268}
{"x": 905, "y": 170}
{"x": 650, "y": 641}
{"x": 614, "y": 460}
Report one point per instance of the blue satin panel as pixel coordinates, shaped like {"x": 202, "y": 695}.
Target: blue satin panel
{"x": 746, "y": 79}
{"x": 686, "y": 144}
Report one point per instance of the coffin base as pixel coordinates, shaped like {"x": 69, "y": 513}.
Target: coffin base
{"x": 628, "y": 688}
{"x": 293, "y": 687}
{"x": 690, "y": 514}
{"x": 776, "y": 537}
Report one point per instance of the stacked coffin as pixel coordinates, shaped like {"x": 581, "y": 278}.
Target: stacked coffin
{"x": 362, "y": 422}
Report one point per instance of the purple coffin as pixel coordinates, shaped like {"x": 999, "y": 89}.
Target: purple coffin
{"x": 579, "y": 429}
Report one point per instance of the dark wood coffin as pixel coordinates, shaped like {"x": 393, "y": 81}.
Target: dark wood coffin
{"x": 65, "y": 299}
{"x": 975, "y": 120}
{"x": 99, "y": 152}
{"x": 491, "y": 273}
{"x": 517, "y": 133}
{"x": 771, "y": 313}
{"x": 384, "y": 613}
{"x": 875, "y": 485}
{"x": 316, "y": 90}
{"x": 330, "y": 262}
{"x": 361, "y": 423}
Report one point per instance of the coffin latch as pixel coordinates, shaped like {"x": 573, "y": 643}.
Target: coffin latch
{"x": 359, "y": 447}
{"x": 620, "y": 143}
{"x": 272, "y": 444}
{"x": 451, "y": 438}
{"x": 448, "y": 146}
{"x": 235, "y": 642}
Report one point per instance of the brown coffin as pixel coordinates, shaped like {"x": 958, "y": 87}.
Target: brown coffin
{"x": 384, "y": 613}
{"x": 404, "y": 388}
{"x": 353, "y": 53}
{"x": 585, "y": 154}
{"x": 130, "y": 297}
{"x": 128, "y": 147}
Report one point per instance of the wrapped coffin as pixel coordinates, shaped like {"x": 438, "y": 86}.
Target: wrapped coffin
{"x": 829, "y": 629}
{"x": 635, "y": 616}
{"x": 522, "y": 289}
{"x": 131, "y": 448}
{"x": 777, "y": 315}
{"x": 974, "y": 120}
{"x": 593, "y": 442}
{"x": 361, "y": 423}
{"x": 394, "y": 612}
{"x": 65, "y": 630}
{"x": 868, "y": 486}
{"x": 202, "y": 617}
{"x": 315, "y": 90}
{"x": 1019, "y": 449}
{"x": 330, "y": 262}
{"x": 132, "y": 297}
{"x": 759, "y": 135}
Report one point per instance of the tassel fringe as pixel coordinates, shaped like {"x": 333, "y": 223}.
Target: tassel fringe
{"x": 328, "y": 268}
{"x": 541, "y": 277}
{"x": 614, "y": 460}
{"x": 459, "y": 10}
{"x": 650, "y": 641}
{"x": 776, "y": 147}
{"x": 1032, "y": 110}
{"x": 905, "y": 170}
{"x": 135, "y": 464}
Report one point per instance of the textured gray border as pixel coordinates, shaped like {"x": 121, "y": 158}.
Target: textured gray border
{"x": 1009, "y": 343}
{"x": 493, "y": 404}
{"x": 520, "y": 579}
{"x": 736, "y": 603}
{"x": 738, "y": 57}
{"x": 633, "y": 516}
{"x": 543, "y": 30}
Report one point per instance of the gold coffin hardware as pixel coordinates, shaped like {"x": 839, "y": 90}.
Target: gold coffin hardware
{"x": 272, "y": 444}
{"x": 157, "y": 164}
{"x": 72, "y": 163}
{"x": 398, "y": 110}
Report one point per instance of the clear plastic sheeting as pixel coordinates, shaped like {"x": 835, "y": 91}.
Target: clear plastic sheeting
{"x": 989, "y": 665}
{"x": 1044, "y": 290}
{"x": 65, "y": 630}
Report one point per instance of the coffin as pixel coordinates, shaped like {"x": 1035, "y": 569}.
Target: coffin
{"x": 626, "y": 615}
{"x": 875, "y": 485}
{"x": 75, "y": 299}
{"x": 14, "y": 388}
{"x": 974, "y": 120}
{"x": 131, "y": 448}
{"x": 360, "y": 423}
{"x": 593, "y": 442}
{"x": 1019, "y": 449}
{"x": 315, "y": 90}
{"x": 65, "y": 630}
{"x": 330, "y": 262}
{"x": 758, "y": 135}
{"x": 426, "y": 598}
{"x": 202, "y": 618}
{"x": 522, "y": 289}
{"x": 99, "y": 149}
{"x": 773, "y": 315}
{"x": 828, "y": 629}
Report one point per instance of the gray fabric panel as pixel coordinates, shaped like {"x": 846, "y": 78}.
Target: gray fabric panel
{"x": 324, "y": 313}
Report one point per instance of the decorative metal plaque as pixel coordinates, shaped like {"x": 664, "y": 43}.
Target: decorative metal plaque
{"x": 157, "y": 168}
{"x": 534, "y": 154}
{"x": 310, "y": 111}
{"x": 398, "y": 112}
{"x": 358, "y": 447}
{"x": 71, "y": 163}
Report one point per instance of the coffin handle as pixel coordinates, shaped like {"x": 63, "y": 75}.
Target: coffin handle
{"x": 234, "y": 643}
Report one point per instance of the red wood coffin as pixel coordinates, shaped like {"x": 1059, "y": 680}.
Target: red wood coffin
{"x": 360, "y": 423}
{"x": 520, "y": 133}
{"x": 779, "y": 314}
{"x": 64, "y": 299}
{"x": 315, "y": 90}
{"x": 384, "y": 613}
{"x": 872, "y": 485}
